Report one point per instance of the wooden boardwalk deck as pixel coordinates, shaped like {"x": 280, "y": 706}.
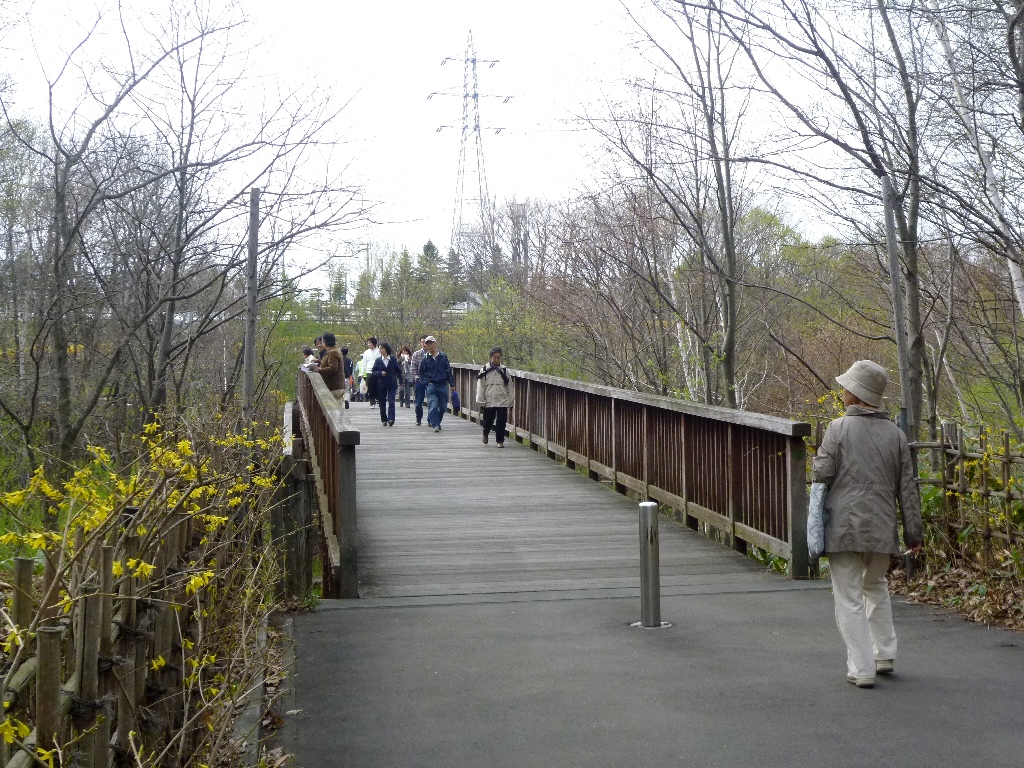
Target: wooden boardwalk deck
{"x": 444, "y": 514}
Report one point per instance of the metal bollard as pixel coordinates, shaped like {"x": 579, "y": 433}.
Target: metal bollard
{"x": 650, "y": 577}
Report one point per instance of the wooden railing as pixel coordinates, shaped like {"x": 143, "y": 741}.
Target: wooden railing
{"x": 323, "y": 435}
{"x": 741, "y": 473}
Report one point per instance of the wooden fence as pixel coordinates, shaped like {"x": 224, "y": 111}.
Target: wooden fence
{"x": 323, "y": 439}
{"x": 981, "y": 479}
{"x": 108, "y": 642}
{"x": 741, "y": 473}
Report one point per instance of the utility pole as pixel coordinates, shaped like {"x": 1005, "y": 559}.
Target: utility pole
{"x": 907, "y": 417}
{"x": 249, "y": 352}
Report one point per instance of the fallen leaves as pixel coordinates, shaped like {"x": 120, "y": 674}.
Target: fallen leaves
{"x": 966, "y": 589}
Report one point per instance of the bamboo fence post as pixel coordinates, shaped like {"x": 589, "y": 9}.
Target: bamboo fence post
{"x": 950, "y": 499}
{"x": 48, "y": 674}
{"x": 986, "y": 501}
{"x": 88, "y": 651}
{"x": 1006, "y": 488}
{"x": 106, "y": 655}
{"x": 23, "y": 598}
{"x": 47, "y": 615}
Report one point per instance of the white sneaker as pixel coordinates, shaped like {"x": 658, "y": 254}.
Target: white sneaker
{"x": 861, "y": 682}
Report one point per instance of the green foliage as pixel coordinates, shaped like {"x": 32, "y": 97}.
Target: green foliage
{"x": 768, "y": 560}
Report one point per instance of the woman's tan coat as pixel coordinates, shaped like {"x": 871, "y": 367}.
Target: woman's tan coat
{"x": 865, "y": 461}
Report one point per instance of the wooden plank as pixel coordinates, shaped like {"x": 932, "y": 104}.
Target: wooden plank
{"x": 477, "y": 519}
{"x": 630, "y": 482}
{"x": 721, "y": 522}
{"x": 758, "y": 539}
{"x": 576, "y": 458}
{"x": 676, "y": 502}
{"x": 602, "y": 469}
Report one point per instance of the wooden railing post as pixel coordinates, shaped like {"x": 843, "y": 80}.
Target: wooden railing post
{"x": 796, "y": 499}
{"x": 733, "y": 481}
{"x": 349, "y": 572}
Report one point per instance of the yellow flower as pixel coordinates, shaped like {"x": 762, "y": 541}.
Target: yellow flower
{"x": 13, "y": 641}
{"x": 39, "y": 483}
{"x": 46, "y": 755}
{"x": 157, "y": 663}
{"x": 98, "y": 452}
{"x": 15, "y": 498}
{"x": 118, "y": 569}
{"x": 140, "y": 568}
{"x": 198, "y": 581}
{"x": 11, "y": 728}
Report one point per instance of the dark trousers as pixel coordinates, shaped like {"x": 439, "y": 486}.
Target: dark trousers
{"x": 405, "y": 394}
{"x": 371, "y": 389}
{"x": 496, "y": 418}
{"x": 421, "y": 392}
{"x": 386, "y": 400}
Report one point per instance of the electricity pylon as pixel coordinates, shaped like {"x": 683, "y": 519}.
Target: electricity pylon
{"x": 472, "y": 230}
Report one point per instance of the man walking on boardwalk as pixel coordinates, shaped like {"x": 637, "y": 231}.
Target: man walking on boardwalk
{"x": 865, "y": 461}
{"x": 414, "y": 369}
{"x": 436, "y": 374}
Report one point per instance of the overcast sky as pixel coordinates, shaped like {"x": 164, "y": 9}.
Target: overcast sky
{"x": 556, "y": 58}
{"x": 553, "y": 57}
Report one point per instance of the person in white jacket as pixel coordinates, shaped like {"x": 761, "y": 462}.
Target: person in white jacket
{"x": 495, "y": 396}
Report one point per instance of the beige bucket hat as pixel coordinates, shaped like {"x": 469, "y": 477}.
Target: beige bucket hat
{"x": 867, "y": 380}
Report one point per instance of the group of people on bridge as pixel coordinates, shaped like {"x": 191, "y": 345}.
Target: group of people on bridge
{"x": 864, "y": 467}
{"x": 380, "y": 377}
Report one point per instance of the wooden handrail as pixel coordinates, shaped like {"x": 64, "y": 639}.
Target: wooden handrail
{"x": 740, "y": 472}
{"x": 329, "y": 439}
{"x": 729, "y": 415}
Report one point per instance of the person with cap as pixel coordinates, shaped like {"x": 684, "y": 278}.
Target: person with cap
{"x": 865, "y": 462}
{"x": 495, "y": 395}
{"x": 419, "y": 387}
{"x": 436, "y": 374}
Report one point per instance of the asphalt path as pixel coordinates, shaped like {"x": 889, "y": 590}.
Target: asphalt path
{"x": 498, "y": 589}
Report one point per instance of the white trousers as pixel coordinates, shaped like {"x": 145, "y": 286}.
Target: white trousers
{"x": 863, "y": 611}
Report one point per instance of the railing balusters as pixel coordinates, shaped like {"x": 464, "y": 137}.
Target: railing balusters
{"x": 736, "y": 471}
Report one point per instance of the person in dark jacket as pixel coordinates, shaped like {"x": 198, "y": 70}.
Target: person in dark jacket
{"x": 865, "y": 461}
{"x": 349, "y": 367}
{"x": 387, "y": 374}
{"x": 436, "y": 374}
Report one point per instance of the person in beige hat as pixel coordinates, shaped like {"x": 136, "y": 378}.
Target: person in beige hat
{"x": 865, "y": 461}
